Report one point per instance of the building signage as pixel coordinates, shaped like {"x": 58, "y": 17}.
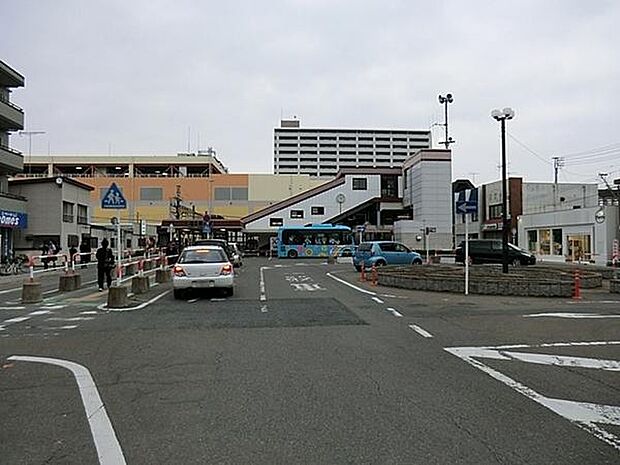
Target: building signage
{"x": 14, "y": 220}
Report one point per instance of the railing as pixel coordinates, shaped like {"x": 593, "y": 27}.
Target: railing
{"x": 9, "y": 149}
{"x": 11, "y": 104}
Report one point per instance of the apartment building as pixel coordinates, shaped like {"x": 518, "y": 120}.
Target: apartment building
{"x": 12, "y": 207}
{"x": 325, "y": 151}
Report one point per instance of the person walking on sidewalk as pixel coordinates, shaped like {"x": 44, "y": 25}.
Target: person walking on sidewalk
{"x": 105, "y": 264}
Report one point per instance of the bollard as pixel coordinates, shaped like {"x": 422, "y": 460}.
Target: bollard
{"x": 66, "y": 283}
{"x": 117, "y": 297}
{"x": 363, "y": 275}
{"x": 31, "y": 292}
{"x": 139, "y": 284}
{"x": 374, "y": 275}
{"x": 577, "y": 285}
{"x": 162, "y": 276}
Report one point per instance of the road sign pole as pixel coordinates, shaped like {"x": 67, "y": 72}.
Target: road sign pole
{"x": 118, "y": 248}
{"x": 466, "y": 260}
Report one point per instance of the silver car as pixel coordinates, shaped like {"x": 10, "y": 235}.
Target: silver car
{"x": 202, "y": 267}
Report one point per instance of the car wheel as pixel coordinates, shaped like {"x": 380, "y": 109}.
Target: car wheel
{"x": 380, "y": 263}
{"x": 417, "y": 261}
{"x": 292, "y": 254}
{"x": 178, "y": 293}
{"x": 516, "y": 262}
{"x": 229, "y": 291}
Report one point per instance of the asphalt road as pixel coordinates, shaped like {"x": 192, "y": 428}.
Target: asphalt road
{"x": 308, "y": 370}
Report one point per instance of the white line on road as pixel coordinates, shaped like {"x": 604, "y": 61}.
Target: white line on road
{"x": 191, "y": 301}
{"x": 89, "y": 312}
{"x": 377, "y": 299}
{"x": 54, "y": 307}
{"x": 346, "y": 283}
{"x": 263, "y": 308}
{"x": 108, "y": 448}
{"x": 73, "y": 318}
{"x": 421, "y": 331}
{"x": 54, "y": 328}
{"x": 17, "y": 319}
{"x": 394, "y": 312}
{"x": 39, "y": 312}
{"x": 7, "y": 291}
{"x": 137, "y": 307}
{"x": 570, "y": 315}
{"x": 12, "y": 308}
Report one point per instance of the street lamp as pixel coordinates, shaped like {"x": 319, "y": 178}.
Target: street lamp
{"x": 444, "y": 101}
{"x": 29, "y": 134}
{"x": 502, "y": 116}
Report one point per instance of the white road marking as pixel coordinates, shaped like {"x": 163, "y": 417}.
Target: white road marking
{"x": 263, "y": 308}
{"x": 570, "y": 315}
{"x": 394, "y": 312}
{"x": 17, "y": 319}
{"x": 89, "y": 312}
{"x": 352, "y": 286}
{"x": 108, "y": 448}
{"x": 307, "y": 287}
{"x": 7, "y": 291}
{"x": 421, "y": 331}
{"x": 39, "y": 312}
{"x": 592, "y": 302}
{"x": 377, "y": 299}
{"x": 51, "y": 291}
{"x": 73, "y": 318}
{"x": 191, "y": 301}
{"x": 388, "y": 295}
{"x": 263, "y": 293}
{"x": 12, "y": 308}
{"x": 54, "y": 307}
{"x": 137, "y": 307}
{"x": 54, "y": 328}
{"x": 586, "y": 415}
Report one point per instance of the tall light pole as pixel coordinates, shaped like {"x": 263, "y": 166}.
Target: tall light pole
{"x": 445, "y": 101}
{"x": 502, "y": 116}
{"x": 29, "y": 134}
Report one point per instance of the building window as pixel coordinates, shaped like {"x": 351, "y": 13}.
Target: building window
{"x": 221, "y": 193}
{"x": 233, "y": 193}
{"x": 151, "y": 193}
{"x": 495, "y": 211}
{"x": 276, "y": 222}
{"x": 532, "y": 241}
{"x": 73, "y": 240}
{"x": 67, "y": 212}
{"x": 82, "y": 214}
{"x": 297, "y": 214}
{"x": 239, "y": 193}
{"x": 360, "y": 184}
{"x": 317, "y": 210}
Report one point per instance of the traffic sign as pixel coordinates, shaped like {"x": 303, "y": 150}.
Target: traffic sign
{"x": 466, "y": 201}
{"x": 113, "y": 198}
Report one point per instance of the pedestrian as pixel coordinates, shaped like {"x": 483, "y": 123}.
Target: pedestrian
{"x": 85, "y": 249}
{"x": 51, "y": 251}
{"x": 105, "y": 264}
{"x": 72, "y": 253}
{"x": 44, "y": 260}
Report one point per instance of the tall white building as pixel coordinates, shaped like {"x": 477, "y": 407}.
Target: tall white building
{"x": 323, "y": 151}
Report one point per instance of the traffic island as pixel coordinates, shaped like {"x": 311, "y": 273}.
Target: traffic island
{"x": 139, "y": 284}
{"x": 487, "y": 280}
{"x": 31, "y": 292}
{"x": 162, "y": 276}
{"x": 117, "y": 297}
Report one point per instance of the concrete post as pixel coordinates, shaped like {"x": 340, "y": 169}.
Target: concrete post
{"x": 162, "y": 276}
{"x": 31, "y": 292}
{"x": 139, "y": 284}
{"x": 117, "y": 297}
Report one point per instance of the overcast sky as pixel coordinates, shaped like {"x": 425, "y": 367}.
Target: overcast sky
{"x": 133, "y": 76}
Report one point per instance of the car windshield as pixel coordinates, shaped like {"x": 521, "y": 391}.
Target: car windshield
{"x": 365, "y": 247}
{"x": 202, "y": 256}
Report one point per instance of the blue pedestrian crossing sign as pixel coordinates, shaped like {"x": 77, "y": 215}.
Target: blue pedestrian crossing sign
{"x": 113, "y": 198}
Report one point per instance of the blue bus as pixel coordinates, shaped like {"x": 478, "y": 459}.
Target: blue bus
{"x": 312, "y": 240}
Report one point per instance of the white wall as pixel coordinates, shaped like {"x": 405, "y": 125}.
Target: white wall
{"x": 325, "y": 199}
{"x": 542, "y": 197}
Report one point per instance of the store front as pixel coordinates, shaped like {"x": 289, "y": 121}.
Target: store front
{"x": 9, "y": 222}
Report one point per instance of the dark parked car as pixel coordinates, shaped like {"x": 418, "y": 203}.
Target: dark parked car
{"x": 490, "y": 251}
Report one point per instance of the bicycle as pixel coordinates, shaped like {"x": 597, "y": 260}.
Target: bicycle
{"x": 17, "y": 265}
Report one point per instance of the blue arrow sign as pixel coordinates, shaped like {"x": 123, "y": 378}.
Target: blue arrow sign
{"x": 113, "y": 198}
{"x": 466, "y": 201}
{"x": 465, "y": 207}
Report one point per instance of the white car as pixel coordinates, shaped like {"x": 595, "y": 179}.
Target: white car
{"x": 202, "y": 267}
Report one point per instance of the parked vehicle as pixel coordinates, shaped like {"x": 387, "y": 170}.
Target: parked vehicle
{"x": 380, "y": 253}
{"x": 237, "y": 255}
{"x": 202, "y": 267}
{"x": 219, "y": 243}
{"x": 312, "y": 240}
{"x": 490, "y": 251}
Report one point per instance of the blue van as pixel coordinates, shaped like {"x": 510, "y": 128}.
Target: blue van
{"x": 382, "y": 253}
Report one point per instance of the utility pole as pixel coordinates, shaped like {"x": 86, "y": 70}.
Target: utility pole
{"x": 445, "y": 101}
{"x": 558, "y": 162}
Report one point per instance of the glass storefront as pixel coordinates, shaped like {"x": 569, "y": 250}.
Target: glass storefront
{"x": 545, "y": 241}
